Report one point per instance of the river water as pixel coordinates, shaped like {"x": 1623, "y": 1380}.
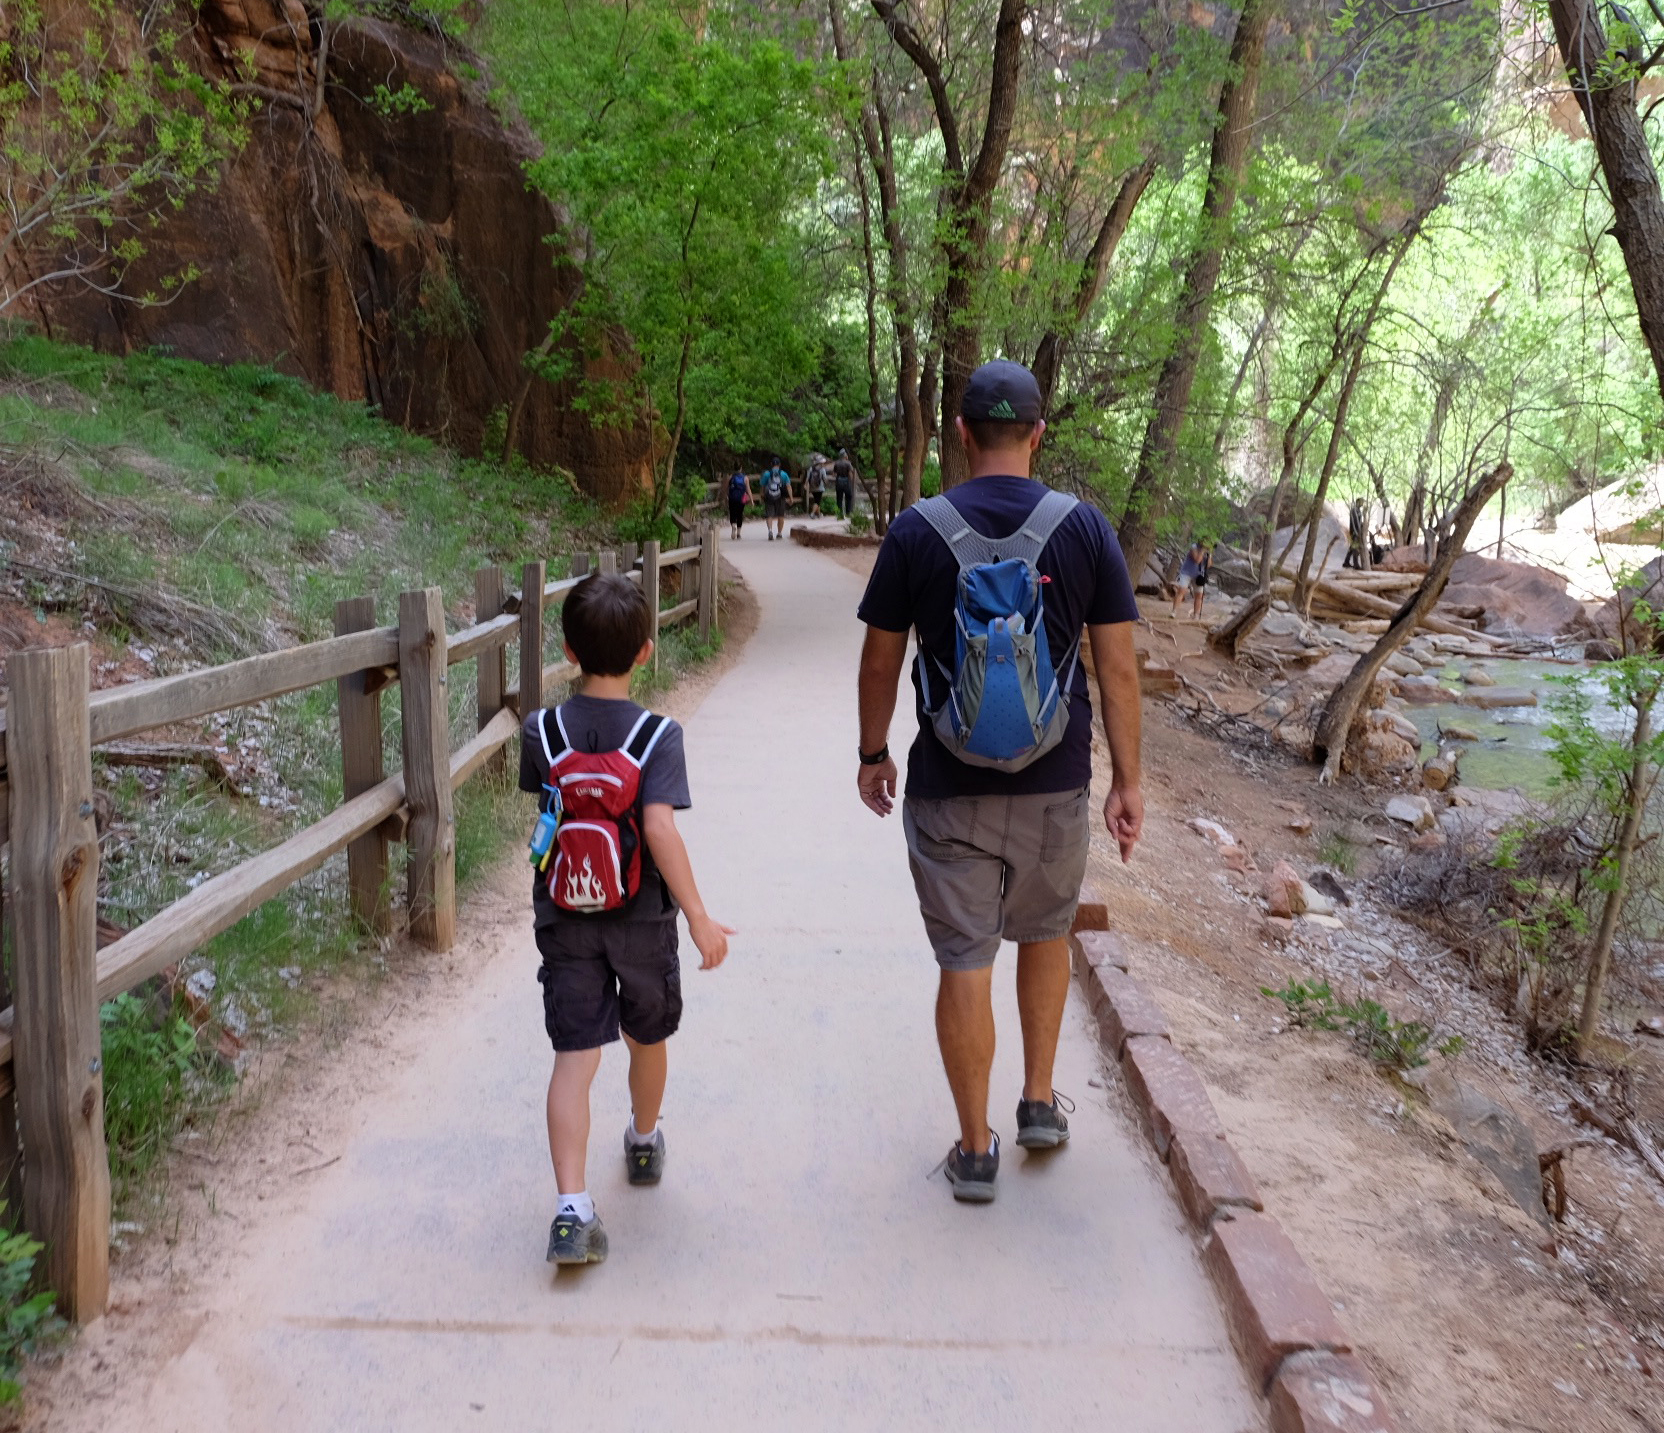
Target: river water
{"x": 1512, "y": 750}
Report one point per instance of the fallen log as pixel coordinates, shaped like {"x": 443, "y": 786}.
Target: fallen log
{"x": 162, "y": 754}
{"x": 1366, "y": 605}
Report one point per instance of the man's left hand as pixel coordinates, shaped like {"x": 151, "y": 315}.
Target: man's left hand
{"x": 877, "y": 785}
{"x": 1124, "y": 816}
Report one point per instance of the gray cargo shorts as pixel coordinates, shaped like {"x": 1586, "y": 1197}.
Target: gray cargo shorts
{"x": 992, "y": 868}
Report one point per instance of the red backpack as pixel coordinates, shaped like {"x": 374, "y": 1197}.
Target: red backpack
{"x": 596, "y": 868}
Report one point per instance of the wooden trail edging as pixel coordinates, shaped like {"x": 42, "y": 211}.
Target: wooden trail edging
{"x": 51, "y": 1079}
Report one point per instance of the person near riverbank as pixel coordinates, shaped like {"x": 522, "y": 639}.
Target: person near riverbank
{"x": 1193, "y": 578}
{"x": 777, "y": 487}
{"x": 739, "y": 498}
{"x": 843, "y": 480}
{"x": 999, "y": 854}
{"x": 611, "y": 872}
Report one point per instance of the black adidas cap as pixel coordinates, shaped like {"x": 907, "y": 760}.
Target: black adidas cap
{"x": 1001, "y": 392}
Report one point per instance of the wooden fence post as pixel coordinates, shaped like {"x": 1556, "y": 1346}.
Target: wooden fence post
{"x": 425, "y": 717}
{"x": 361, "y": 768}
{"x": 650, "y": 589}
{"x": 57, "y": 1055}
{"x": 608, "y": 563}
{"x": 531, "y": 638}
{"x": 492, "y": 675}
{"x": 580, "y": 565}
{"x": 628, "y": 560}
{"x": 11, "y": 1151}
{"x": 707, "y": 582}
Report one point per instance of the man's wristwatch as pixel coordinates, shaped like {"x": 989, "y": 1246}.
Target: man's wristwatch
{"x": 877, "y": 758}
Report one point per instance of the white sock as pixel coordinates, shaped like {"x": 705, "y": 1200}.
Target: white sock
{"x": 635, "y": 1136}
{"x": 580, "y": 1206}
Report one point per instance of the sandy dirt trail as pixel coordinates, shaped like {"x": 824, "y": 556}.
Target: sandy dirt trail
{"x": 797, "y": 1268}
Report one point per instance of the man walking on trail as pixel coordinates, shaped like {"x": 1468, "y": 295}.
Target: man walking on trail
{"x": 843, "y": 479}
{"x": 739, "y": 498}
{"x": 814, "y": 485}
{"x": 997, "y": 804}
{"x": 777, "y": 488}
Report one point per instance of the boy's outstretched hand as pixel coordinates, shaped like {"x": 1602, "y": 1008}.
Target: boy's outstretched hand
{"x": 711, "y": 937}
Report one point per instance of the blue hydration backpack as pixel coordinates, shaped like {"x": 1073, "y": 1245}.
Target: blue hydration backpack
{"x": 736, "y": 486}
{"x": 1003, "y": 705}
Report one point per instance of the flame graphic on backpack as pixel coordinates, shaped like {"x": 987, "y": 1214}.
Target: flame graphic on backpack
{"x": 597, "y": 856}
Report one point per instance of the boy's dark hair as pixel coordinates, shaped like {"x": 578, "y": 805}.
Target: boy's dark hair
{"x": 606, "y": 621}
{"x": 994, "y": 433}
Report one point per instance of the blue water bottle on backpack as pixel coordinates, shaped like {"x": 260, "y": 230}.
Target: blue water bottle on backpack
{"x": 543, "y": 834}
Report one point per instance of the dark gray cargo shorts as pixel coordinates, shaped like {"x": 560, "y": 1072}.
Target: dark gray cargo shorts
{"x": 992, "y": 868}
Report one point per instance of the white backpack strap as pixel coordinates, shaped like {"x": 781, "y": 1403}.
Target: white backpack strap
{"x": 543, "y": 734}
{"x": 643, "y": 737}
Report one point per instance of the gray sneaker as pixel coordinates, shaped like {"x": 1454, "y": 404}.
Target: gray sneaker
{"x": 573, "y": 1241}
{"x": 1041, "y": 1125}
{"x": 644, "y": 1163}
{"x": 972, "y": 1175}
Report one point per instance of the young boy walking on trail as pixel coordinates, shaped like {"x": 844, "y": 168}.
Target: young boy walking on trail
{"x": 611, "y": 872}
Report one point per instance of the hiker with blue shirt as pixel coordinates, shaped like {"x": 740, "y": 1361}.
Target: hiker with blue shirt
{"x": 777, "y": 487}
{"x": 1000, "y": 578}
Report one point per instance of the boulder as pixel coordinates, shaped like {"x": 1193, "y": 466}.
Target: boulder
{"x": 1312, "y": 902}
{"x": 1282, "y": 890}
{"x": 1212, "y": 830}
{"x": 1515, "y": 598}
{"x": 1478, "y": 677}
{"x": 1500, "y": 697}
{"x": 1403, "y": 559}
{"x": 1391, "y": 721}
{"x": 1380, "y": 755}
{"x": 1457, "y": 733}
{"x": 1404, "y": 665}
{"x": 1413, "y": 811}
{"x": 1423, "y": 692}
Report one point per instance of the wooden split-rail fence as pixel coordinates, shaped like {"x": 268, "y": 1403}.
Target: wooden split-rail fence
{"x": 51, "y": 1089}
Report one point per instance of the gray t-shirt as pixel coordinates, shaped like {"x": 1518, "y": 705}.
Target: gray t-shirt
{"x": 602, "y": 724}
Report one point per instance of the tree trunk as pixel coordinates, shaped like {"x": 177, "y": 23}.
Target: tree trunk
{"x": 967, "y": 204}
{"x": 1639, "y": 788}
{"x": 875, "y": 400}
{"x": 878, "y": 139}
{"x": 1232, "y": 136}
{"x": 1094, "y": 271}
{"x": 1329, "y": 743}
{"x": 1608, "y": 105}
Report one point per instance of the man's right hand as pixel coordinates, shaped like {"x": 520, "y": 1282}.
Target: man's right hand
{"x": 877, "y": 785}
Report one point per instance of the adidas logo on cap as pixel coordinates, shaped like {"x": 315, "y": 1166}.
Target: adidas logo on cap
{"x": 1003, "y": 409}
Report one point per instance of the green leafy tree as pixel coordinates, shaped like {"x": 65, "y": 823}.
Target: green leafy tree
{"x": 684, "y": 152}
{"x": 105, "y": 130}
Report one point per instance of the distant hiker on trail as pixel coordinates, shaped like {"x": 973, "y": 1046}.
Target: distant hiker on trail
{"x": 739, "y": 498}
{"x": 997, "y": 808}
{"x": 814, "y": 485}
{"x": 1193, "y": 577}
{"x": 1356, "y": 532}
{"x": 843, "y": 479}
{"x": 610, "y": 872}
{"x": 777, "y": 487}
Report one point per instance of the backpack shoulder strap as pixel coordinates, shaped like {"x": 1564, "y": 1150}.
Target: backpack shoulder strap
{"x": 552, "y": 751}
{"x": 1030, "y": 540}
{"x": 644, "y": 736}
{"x": 968, "y": 546}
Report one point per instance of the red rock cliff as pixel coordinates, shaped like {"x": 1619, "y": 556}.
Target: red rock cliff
{"x": 401, "y": 261}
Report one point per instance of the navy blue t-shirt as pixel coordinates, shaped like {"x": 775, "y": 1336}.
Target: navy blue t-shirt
{"x": 913, "y": 585}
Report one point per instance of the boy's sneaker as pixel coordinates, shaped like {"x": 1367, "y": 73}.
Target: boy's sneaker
{"x": 1041, "y": 1125}
{"x": 576, "y": 1241}
{"x": 644, "y": 1163}
{"x": 972, "y": 1175}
